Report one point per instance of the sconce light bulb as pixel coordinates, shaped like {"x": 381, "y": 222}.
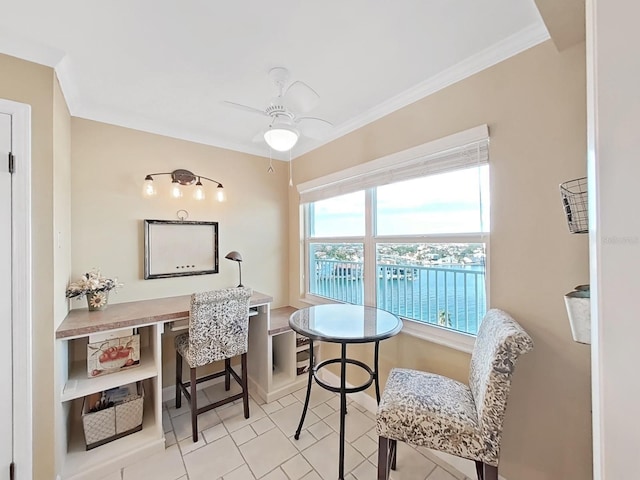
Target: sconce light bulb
{"x": 198, "y": 194}
{"x": 220, "y": 195}
{"x": 149, "y": 190}
{"x": 176, "y": 191}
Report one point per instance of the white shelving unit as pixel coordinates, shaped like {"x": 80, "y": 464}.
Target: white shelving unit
{"x": 272, "y": 374}
{"x": 83, "y": 464}
{"x": 273, "y": 355}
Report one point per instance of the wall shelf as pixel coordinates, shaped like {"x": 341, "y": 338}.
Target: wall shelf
{"x": 274, "y": 343}
{"x": 79, "y": 385}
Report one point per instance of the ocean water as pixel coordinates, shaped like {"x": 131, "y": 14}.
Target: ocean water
{"x": 452, "y": 295}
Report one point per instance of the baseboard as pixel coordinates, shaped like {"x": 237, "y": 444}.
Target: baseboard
{"x": 468, "y": 467}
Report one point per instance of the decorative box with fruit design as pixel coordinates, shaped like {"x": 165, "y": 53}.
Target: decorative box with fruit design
{"x": 113, "y": 355}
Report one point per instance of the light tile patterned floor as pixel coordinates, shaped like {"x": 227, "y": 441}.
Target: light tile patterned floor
{"x": 262, "y": 447}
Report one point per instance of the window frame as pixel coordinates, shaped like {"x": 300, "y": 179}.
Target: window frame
{"x": 443, "y": 336}
{"x": 457, "y": 340}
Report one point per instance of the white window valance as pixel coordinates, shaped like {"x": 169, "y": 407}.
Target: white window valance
{"x": 460, "y": 150}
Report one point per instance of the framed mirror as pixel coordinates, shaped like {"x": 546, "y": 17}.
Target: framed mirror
{"x": 177, "y": 248}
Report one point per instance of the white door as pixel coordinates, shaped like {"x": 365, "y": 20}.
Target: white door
{"x": 6, "y": 323}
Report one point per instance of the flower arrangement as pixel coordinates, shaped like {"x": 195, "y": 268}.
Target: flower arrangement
{"x": 95, "y": 286}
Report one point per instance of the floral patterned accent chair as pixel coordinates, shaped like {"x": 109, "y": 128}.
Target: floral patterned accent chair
{"x": 218, "y": 330}
{"x": 440, "y": 413}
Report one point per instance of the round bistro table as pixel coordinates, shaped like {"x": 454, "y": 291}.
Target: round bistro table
{"x": 343, "y": 324}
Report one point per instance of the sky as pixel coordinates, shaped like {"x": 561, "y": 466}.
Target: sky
{"x": 436, "y": 204}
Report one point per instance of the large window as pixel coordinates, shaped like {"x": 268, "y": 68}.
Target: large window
{"x": 416, "y": 247}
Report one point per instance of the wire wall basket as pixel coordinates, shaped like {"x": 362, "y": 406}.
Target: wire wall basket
{"x": 574, "y": 201}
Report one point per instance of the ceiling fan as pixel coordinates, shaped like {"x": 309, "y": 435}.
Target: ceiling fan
{"x": 284, "y": 111}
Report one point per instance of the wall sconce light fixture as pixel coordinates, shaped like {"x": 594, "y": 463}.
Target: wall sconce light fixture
{"x": 179, "y": 179}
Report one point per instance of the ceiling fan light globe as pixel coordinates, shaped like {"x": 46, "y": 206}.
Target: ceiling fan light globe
{"x": 281, "y": 139}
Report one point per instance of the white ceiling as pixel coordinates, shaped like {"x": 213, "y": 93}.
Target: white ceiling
{"x": 166, "y": 66}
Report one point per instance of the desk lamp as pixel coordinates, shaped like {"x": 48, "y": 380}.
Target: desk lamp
{"x": 236, "y": 257}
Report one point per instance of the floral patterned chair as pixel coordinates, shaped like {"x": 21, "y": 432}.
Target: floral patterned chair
{"x": 218, "y": 330}
{"x": 440, "y": 413}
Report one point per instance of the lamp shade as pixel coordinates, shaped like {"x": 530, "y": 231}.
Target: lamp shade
{"x": 233, "y": 255}
{"x": 281, "y": 137}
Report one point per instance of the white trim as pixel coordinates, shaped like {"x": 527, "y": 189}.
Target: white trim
{"x": 176, "y": 130}
{"x": 524, "y": 39}
{"x": 468, "y": 467}
{"x": 68, "y": 85}
{"x": 518, "y": 42}
{"x": 475, "y": 134}
{"x": 21, "y": 279}
{"x": 462, "y": 342}
{"x": 37, "y": 52}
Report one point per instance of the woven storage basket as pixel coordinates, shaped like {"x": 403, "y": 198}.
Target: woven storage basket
{"x": 302, "y": 362}
{"x": 111, "y": 423}
{"x": 575, "y": 203}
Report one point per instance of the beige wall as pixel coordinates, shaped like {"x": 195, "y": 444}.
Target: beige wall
{"x": 109, "y": 164}
{"x": 61, "y": 175}
{"x": 534, "y": 104}
{"x": 61, "y": 253}
{"x": 33, "y": 84}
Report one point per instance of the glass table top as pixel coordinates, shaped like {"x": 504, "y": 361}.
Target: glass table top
{"x": 345, "y": 323}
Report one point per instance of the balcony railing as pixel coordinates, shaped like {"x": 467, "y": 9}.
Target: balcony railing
{"x": 449, "y": 296}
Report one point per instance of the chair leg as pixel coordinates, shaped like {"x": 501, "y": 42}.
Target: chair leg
{"x": 194, "y": 405}
{"x": 489, "y": 472}
{"x": 245, "y": 385}
{"x": 393, "y": 444}
{"x": 227, "y": 375}
{"x": 479, "y": 471}
{"x": 178, "y": 380}
{"x": 383, "y": 458}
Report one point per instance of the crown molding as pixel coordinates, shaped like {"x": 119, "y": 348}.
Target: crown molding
{"x": 518, "y": 42}
{"x": 20, "y": 47}
{"x": 15, "y": 45}
{"x": 68, "y": 85}
{"x": 144, "y": 124}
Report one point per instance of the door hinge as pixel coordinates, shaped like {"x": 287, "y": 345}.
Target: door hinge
{"x": 12, "y": 471}
{"x": 11, "y": 162}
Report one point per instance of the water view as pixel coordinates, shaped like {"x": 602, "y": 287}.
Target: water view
{"x": 445, "y": 292}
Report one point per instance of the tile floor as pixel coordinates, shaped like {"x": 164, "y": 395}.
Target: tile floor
{"x": 262, "y": 447}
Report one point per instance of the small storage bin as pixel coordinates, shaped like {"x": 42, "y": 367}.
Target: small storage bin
{"x": 575, "y": 203}
{"x": 114, "y": 422}
{"x": 302, "y": 362}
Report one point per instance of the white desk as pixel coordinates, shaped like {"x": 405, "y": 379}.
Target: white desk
{"x": 150, "y": 317}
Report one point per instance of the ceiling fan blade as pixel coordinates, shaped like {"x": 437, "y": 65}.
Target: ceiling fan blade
{"x": 313, "y": 127}
{"x": 300, "y": 97}
{"x": 246, "y": 108}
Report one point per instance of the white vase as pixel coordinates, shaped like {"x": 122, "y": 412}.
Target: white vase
{"x": 578, "y": 305}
